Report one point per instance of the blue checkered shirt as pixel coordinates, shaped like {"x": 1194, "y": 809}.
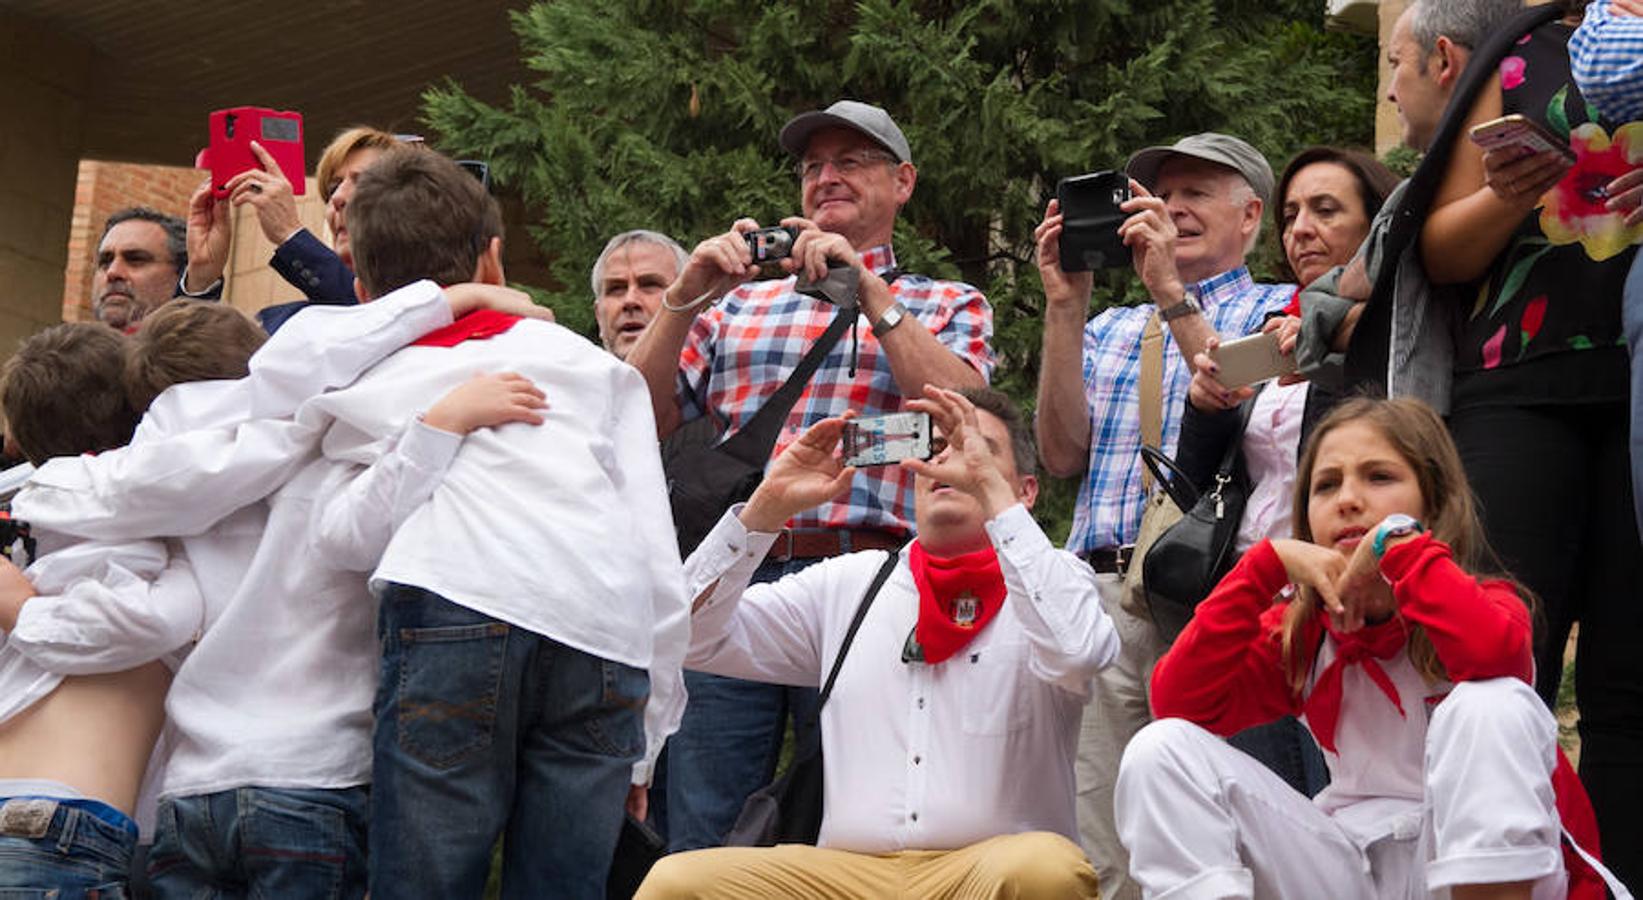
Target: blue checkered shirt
{"x": 1606, "y": 56}
{"x": 1110, "y": 501}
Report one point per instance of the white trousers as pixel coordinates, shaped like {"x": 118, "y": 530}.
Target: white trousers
{"x": 1117, "y": 709}
{"x": 1202, "y": 820}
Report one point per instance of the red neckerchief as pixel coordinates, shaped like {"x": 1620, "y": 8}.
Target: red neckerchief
{"x": 957, "y": 597}
{"x": 1362, "y": 647}
{"x": 475, "y": 326}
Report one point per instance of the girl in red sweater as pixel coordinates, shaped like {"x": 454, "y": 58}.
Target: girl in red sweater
{"x": 1413, "y": 674}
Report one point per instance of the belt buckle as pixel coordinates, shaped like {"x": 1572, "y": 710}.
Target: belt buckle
{"x": 785, "y": 555}
{"x": 27, "y": 817}
{"x": 1122, "y": 557}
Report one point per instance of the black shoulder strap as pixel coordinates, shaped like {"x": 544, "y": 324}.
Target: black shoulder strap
{"x": 1371, "y": 345}
{"x": 753, "y": 442}
{"x": 1245, "y": 411}
{"x": 855, "y": 623}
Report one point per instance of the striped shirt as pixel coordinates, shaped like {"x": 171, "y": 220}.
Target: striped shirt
{"x": 1111, "y": 499}
{"x": 742, "y": 350}
{"x": 1606, "y": 56}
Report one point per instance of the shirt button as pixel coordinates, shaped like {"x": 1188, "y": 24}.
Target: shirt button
{"x": 921, "y": 703}
{"x": 917, "y": 760}
{"x": 915, "y": 817}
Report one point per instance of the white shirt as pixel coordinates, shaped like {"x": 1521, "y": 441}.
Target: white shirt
{"x": 198, "y": 466}
{"x": 1271, "y": 441}
{"x": 95, "y": 602}
{"x": 563, "y": 528}
{"x": 919, "y": 756}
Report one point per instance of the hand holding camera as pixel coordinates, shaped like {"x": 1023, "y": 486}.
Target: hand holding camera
{"x": 1150, "y": 234}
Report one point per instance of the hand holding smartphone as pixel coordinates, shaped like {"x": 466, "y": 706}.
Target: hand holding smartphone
{"x": 1524, "y": 136}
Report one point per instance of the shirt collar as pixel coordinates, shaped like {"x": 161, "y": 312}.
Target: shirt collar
{"x": 1224, "y": 286}
{"x": 879, "y": 259}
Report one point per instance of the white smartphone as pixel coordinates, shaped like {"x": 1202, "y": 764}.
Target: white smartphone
{"x": 1250, "y": 359}
{"x": 882, "y": 440}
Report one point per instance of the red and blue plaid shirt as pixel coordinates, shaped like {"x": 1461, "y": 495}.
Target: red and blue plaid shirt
{"x": 742, "y": 350}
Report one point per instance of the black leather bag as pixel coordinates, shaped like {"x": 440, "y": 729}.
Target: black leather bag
{"x": 1186, "y": 561}
{"x": 789, "y": 809}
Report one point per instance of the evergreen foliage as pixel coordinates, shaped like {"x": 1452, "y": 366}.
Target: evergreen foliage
{"x": 664, "y": 113}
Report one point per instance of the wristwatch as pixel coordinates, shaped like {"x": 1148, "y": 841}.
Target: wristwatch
{"x": 1187, "y": 307}
{"x": 1395, "y": 525}
{"x": 891, "y": 318}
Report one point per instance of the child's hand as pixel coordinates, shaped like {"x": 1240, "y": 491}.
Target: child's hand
{"x": 468, "y": 297}
{"x": 486, "y": 401}
{"x": 1365, "y": 593}
{"x": 1319, "y": 568}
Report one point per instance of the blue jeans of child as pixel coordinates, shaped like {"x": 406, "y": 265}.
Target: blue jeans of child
{"x": 485, "y": 730}
{"x": 55, "y": 848}
{"x": 260, "y": 842}
{"x": 729, "y": 742}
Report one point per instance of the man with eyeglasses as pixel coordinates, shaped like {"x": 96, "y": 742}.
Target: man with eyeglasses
{"x": 721, "y": 346}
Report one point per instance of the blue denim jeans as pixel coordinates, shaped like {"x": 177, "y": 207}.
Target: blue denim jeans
{"x": 728, "y": 744}
{"x": 1287, "y": 748}
{"x": 260, "y": 842}
{"x": 485, "y": 730}
{"x": 53, "y": 848}
{"x": 1631, "y": 315}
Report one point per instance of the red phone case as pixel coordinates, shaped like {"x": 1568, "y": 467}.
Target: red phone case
{"x": 229, "y": 153}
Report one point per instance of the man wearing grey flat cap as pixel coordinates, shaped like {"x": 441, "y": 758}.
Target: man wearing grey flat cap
{"x": 1120, "y": 380}
{"x": 723, "y": 344}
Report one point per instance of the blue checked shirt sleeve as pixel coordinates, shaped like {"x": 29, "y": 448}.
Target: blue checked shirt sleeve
{"x": 1606, "y": 55}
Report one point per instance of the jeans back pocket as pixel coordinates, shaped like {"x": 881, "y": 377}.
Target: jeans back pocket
{"x": 447, "y": 690}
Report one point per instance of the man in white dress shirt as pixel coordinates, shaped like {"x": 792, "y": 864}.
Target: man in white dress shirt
{"x": 950, "y": 736}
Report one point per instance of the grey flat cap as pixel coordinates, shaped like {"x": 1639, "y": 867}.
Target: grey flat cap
{"x": 856, "y": 116}
{"x": 1223, "y": 149}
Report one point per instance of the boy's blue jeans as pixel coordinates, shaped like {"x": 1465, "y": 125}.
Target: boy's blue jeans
{"x": 260, "y": 842}
{"x": 64, "y": 848}
{"x": 485, "y": 730}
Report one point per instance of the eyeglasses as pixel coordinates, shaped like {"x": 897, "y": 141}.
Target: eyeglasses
{"x": 848, "y": 164}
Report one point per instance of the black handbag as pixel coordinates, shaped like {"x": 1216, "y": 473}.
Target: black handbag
{"x": 1186, "y": 561}
{"x": 789, "y": 809}
{"x": 638, "y": 847}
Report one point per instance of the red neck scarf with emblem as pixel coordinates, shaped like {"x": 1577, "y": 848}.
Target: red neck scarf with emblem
{"x": 1364, "y": 647}
{"x": 475, "y": 326}
{"x": 957, "y": 597}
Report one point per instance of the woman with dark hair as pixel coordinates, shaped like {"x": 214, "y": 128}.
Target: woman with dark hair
{"x": 1327, "y": 197}
{"x": 1537, "y": 263}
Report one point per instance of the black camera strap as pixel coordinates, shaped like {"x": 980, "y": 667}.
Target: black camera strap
{"x": 753, "y": 442}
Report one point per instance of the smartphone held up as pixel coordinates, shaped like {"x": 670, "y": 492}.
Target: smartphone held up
{"x": 1090, "y": 216}
{"x": 887, "y": 439}
{"x": 229, "y": 152}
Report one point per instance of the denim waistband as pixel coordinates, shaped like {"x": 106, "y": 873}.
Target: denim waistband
{"x": 97, "y": 809}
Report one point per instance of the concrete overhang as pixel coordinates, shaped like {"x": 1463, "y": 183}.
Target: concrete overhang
{"x": 159, "y": 67}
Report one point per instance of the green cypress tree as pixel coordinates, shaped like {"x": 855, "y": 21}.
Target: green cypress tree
{"x": 664, "y": 113}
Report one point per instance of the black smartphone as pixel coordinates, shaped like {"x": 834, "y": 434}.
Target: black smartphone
{"x": 1090, "y": 220}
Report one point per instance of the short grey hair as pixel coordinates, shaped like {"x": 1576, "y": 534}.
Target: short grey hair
{"x": 637, "y": 236}
{"x": 1464, "y": 22}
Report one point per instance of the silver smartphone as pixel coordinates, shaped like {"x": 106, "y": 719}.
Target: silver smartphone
{"x": 1248, "y": 360}
{"x": 887, "y": 439}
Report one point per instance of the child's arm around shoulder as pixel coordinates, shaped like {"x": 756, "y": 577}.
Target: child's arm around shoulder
{"x": 353, "y": 528}
{"x": 99, "y": 608}
{"x": 1479, "y": 628}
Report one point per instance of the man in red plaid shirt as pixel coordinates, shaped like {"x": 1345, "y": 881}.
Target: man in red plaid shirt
{"x": 722, "y": 344}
